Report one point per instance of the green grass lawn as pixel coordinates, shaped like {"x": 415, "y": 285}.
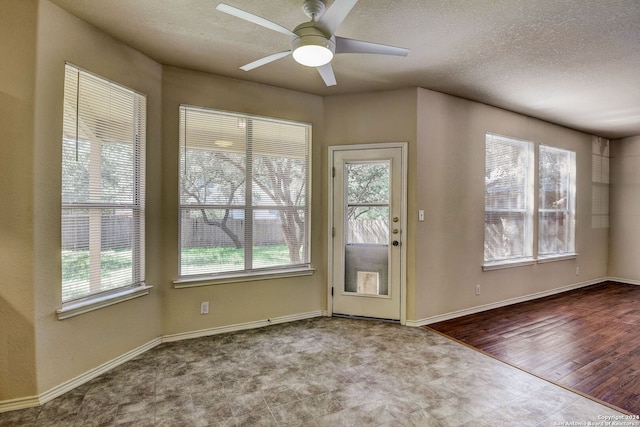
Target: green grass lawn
{"x": 278, "y": 254}
{"x": 116, "y": 267}
{"x": 207, "y": 259}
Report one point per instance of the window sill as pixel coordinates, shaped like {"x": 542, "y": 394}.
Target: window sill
{"x": 76, "y": 308}
{"x": 192, "y": 282}
{"x": 552, "y": 258}
{"x": 522, "y": 262}
{"x": 508, "y": 264}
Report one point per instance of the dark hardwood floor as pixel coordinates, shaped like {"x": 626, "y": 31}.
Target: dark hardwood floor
{"x": 587, "y": 339}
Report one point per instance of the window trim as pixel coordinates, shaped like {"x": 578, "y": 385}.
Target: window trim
{"x": 528, "y": 211}
{"x": 98, "y": 301}
{"x": 560, "y": 257}
{"x": 536, "y": 257}
{"x": 95, "y": 301}
{"x": 521, "y": 262}
{"x": 569, "y": 210}
{"x": 245, "y": 275}
{"x": 510, "y": 263}
{"x": 253, "y": 275}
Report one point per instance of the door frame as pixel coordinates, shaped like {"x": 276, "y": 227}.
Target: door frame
{"x": 404, "y": 148}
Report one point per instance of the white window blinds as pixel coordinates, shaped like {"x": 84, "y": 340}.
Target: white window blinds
{"x": 103, "y": 169}
{"x": 244, "y": 192}
{"x": 508, "y": 219}
{"x": 556, "y": 204}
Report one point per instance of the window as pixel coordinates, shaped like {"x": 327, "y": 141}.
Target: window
{"x": 244, "y": 194}
{"x": 508, "y": 218}
{"x": 103, "y": 169}
{"x": 510, "y": 205}
{"x": 556, "y": 205}
{"x": 600, "y": 183}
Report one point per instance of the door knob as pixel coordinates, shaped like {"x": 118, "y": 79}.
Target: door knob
{"x": 395, "y": 231}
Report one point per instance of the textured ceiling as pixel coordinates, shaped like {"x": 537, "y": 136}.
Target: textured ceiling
{"x": 576, "y": 63}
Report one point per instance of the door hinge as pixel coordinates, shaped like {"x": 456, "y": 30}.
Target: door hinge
{"x": 332, "y": 291}
{"x": 333, "y": 232}
{"x": 333, "y": 172}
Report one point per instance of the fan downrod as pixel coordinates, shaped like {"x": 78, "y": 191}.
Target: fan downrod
{"x": 313, "y": 8}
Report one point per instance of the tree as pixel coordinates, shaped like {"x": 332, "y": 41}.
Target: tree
{"x": 283, "y": 181}
{"x": 225, "y": 159}
{"x": 367, "y": 182}
{"x": 213, "y": 177}
{"x": 216, "y": 177}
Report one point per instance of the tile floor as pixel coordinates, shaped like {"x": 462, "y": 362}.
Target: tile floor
{"x": 317, "y": 372}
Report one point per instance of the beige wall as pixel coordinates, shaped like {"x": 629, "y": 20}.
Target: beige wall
{"x": 250, "y": 301}
{"x": 450, "y": 179}
{"x": 66, "y": 349}
{"x": 388, "y": 116}
{"x": 624, "y": 206}
{"x": 17, "y": 77}
{"x": 446, "y": 169}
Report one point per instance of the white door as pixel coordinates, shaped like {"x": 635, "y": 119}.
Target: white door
{"x": 368, "y": 215}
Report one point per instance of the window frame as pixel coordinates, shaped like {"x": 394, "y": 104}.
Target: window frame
{"x": 570, "y": 206}
{"x": 248, "y": 207}
{"x": 533, "y": 238}
{"x": 137, "y": 287}
{"x": 528, "y": 211}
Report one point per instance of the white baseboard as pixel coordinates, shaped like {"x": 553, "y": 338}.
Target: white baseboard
{"x": 31, "y": 401}
{"x": 242, "y": 326}
{"x": 59, "y": 390}
{"x": 480, "y": 308}
{"x": 19, "y": 403}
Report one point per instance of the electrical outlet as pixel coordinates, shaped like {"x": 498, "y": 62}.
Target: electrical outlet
{"x": 420, "y": 215}
{"x": 477, "y": 289}
{"x": 204, "y": 307}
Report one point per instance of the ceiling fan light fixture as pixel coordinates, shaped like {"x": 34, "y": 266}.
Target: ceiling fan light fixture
{"x": 314, "y": 43}
{"x": 313, "y": 51}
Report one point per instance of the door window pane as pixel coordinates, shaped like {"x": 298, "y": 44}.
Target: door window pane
{"x": 368, "y": 225}
{"x": 367, "y": 228}
{"x": 368, "y": 182}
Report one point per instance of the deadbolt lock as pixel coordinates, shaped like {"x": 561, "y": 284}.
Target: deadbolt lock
{"x": 395, "y": 231}
{"x": 396, "y": 219}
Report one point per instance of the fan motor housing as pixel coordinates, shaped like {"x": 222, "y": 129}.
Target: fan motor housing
{"x": 308, "y": 34}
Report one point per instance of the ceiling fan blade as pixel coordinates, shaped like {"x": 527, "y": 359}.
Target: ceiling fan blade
{"x": 326, "y": 72}
{"x": 333, "y": 17}
{"x": 344, "y": 45}
{"x": 239, "y": 13}
{"x": 263, "y": 61}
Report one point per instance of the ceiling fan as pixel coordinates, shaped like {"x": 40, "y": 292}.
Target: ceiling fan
{"x": 314, "y": 43}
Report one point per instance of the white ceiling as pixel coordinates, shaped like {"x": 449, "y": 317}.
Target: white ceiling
{"x": 572, "y": 62}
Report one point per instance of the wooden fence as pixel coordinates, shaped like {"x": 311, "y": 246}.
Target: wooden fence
{"x": 117, "y": 232}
